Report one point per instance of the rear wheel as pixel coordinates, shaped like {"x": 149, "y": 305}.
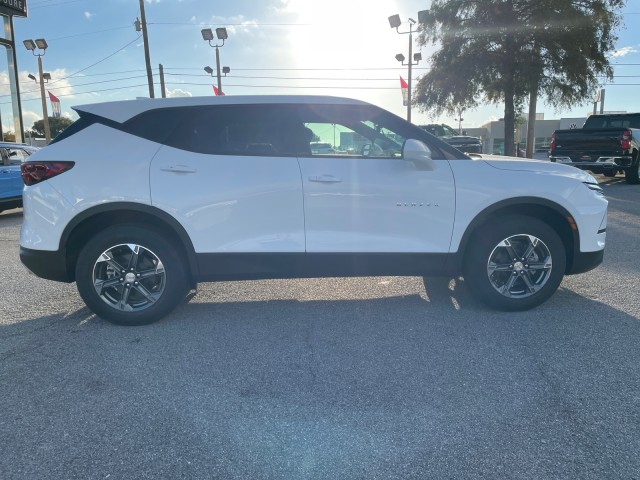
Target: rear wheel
{"x": 515, "y": 264}
{"x": 130, "y": 275}
{"x": 632, "y": 174}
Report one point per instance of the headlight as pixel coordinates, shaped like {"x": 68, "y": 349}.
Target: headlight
{"x": 594, "y": 187}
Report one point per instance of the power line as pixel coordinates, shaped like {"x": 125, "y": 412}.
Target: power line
{"x": 98, "y": 62}
{"x": 51, "y": 4}
{"x": 246, "y": 24}
{"x": 286, "y": 78}
{"x": 90, "y": 33}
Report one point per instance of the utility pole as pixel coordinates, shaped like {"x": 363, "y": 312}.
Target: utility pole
{"x": 145, "y": 38}
{"x": 162, "y": 88}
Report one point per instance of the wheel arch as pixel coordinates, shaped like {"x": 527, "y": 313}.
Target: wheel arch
{"x": 549, "y": 212}
{"x": 87, "y": 223}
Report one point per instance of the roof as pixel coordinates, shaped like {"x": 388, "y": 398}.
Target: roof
{"x": 122, "y": 111}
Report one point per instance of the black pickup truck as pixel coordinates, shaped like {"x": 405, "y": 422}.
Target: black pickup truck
{"x": 464, "y": 143}
{"x": 606, "y": 144}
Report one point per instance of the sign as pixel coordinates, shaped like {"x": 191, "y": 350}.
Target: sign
{"x": 10, "y": 8}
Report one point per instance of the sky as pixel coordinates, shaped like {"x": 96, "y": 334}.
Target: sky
{"x": 329, "y": 47}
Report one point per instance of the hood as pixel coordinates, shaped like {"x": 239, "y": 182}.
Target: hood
{"x": 543, "y": 167}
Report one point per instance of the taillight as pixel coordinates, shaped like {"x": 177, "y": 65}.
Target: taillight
{"x": 36, "y": 172}
{"x": 625, "y": 143}
{"x": 552, "y": 145}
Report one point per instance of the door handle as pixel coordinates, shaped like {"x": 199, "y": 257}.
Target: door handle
{"x": 325, "y": 179}
{"x": 179, "y": 169}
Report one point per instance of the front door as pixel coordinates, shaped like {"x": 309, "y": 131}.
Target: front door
{"x": 363, "y": 196}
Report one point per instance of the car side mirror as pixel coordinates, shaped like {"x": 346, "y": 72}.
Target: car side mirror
{"x": 417, "y": 152}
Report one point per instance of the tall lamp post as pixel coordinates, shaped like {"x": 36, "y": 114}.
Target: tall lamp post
{"x": 225, "y": 70}
{"x": 41, "y": 44}
{"x": 221, "y": 33}
{"x": 414, "y": 58}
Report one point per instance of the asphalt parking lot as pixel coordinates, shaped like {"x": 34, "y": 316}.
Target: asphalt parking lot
{"x": 364, "y": 378}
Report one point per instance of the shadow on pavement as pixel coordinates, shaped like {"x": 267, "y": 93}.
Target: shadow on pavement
{"x": 395, "y": 387}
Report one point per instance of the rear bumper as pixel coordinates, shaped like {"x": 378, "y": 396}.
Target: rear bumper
{"x": 600, "y": 162}
{"x": 47, "y": 264}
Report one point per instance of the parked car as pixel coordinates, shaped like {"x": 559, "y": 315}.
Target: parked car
{"x": 322, "y": 148}
{"x": 11, "y": 156}
{"x": 607, "y": 144}
{"x": 138, "y": 201}
{"x": 463, "y": 142}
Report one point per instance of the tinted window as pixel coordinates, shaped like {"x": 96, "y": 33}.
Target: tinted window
{"x": 283, "y": 130}
{"x": 622, "y": 121}
{"x": 240, "y": 130}
{"x": 366, "y": 130}
{"x": 83, "y": 122}
{"x": 156, "y": 125}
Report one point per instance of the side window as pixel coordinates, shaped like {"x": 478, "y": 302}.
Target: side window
{"x": 262, "y": 130}
{"x": 13, "y": 156}
{"x": 156, "y": 125}
{"x": 448, "y": 131}
{"x": 351, "y": 130}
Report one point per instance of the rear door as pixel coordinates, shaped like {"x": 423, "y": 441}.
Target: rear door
{"x": 227, "y": 175}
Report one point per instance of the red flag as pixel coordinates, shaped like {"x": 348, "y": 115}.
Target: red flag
{"x": 216, "y": 92}
{"x": 405, "y": 91}
{"x": 55, "y": 105}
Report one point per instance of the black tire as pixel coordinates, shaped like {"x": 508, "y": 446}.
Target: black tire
{"x": 149, "y": 286}
{"x": 610, "y": 173}
{"x": 632, "y": 174}
{"x": 496, "y": 279}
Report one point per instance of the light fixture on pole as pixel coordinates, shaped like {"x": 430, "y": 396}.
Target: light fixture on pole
{"x": 41, "y": 44}
{"x": 414, "y": 59}
{"x": 459, "y": 120}
{"x": 207, "y": 35}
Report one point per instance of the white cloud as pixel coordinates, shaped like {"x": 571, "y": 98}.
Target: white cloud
{"x": 88, "y": 15}
{"x": 178, "y": 92}
{"x": 623, "y": 52}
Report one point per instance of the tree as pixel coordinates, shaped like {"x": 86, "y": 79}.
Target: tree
{"x": 508, "y": 50}
{"x": 56, "y": 125}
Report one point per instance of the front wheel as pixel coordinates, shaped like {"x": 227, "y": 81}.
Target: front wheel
{"x": 130, "y": 275}
{"x": 515, "y": 264}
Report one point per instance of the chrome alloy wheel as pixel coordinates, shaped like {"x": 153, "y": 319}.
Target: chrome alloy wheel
{"x": 519, "y": 266}
{"x": 129, "y": 277}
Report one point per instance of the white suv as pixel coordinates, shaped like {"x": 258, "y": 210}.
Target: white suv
{"x": 139, "y": 200}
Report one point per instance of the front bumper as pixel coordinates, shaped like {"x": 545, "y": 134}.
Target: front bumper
{"x": 586, "y": 261}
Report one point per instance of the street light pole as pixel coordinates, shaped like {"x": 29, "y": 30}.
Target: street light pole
{"x": 218, "y": 70}
{"x": 41, "y": 44}
{"x": 410, "y": 65}
{"x": 47, "y": 131}
{"x": 207, "y": 35}
{"x": 413, "y": 59}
